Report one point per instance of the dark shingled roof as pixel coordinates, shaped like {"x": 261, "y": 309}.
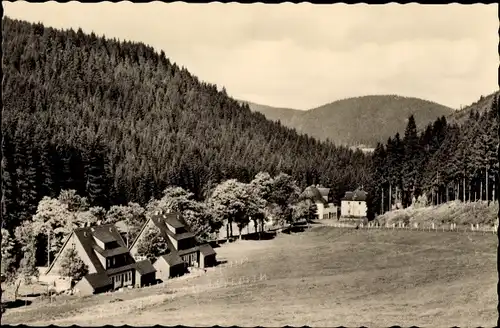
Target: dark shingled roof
{"x": 172, "y": 259}
{"x": 111, "y": 252}
{"x": 98, "y": 280}
{"x": 144, "y": 267}
{"x": 184, "y": 235}
{"x": 85, "y": 235}
{"x": 102, "y": 235}
{"x": 174, "y": 219}
{"x": 313, "y": 194}
{"x": 121, "y": 269}
{"x": 357, "y": 195}
{"x": 207, "y": 250}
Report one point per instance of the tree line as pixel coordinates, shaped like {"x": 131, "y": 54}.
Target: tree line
{"x": 118, "y": 122}
{"x": 446, "y": 161}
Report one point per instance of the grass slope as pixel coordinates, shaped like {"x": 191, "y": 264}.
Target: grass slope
{"x": 362, "y": 120}
{"x": 463, "y": 214}
{"x": 323, "y": 277}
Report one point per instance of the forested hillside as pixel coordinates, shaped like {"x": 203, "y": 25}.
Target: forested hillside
{"x": 454, "y": 158}
{"x": 358, "y": 121}
{"x": 118, "y": 122}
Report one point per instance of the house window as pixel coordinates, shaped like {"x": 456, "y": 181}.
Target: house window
{"x": 108, "y": 263}
{"x": 113, "y": 260}
{"x": 130, "y": 275}
{"x": 359, "y": 203}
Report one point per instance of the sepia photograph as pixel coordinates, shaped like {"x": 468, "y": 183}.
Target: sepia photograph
{"x": 320, "y": 165}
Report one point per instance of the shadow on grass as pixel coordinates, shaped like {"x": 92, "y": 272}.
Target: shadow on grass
{"x": 219, "y": 262}
{"x": 266, "y": 235}
{"x": 16, "y": 304}
{"x": 33, "y": 295}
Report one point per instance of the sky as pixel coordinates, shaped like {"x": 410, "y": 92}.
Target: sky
{"x": 304, "y": 55}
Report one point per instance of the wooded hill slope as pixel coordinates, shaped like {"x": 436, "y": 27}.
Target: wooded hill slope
{"x": 451, "y": 159}
{"x": 358, "y": 121}
{"x": 117, "y": 122}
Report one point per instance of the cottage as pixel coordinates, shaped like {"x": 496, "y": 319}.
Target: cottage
{"x": 320, "y": 196}
{"x": 169, "y": 265}
{"x": 180, "y": 241}
{"x": 353, "y": 205}
{"x": 110, "y": 265}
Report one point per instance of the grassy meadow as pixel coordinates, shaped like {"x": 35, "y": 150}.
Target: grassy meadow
{"x": 322, "y": 277}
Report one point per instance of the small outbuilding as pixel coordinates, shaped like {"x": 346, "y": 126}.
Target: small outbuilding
{"x": 94, "y": 283}
{"x": 207, "y": 256}
{"x": 169, "y": 265}
{"x": 145, "y": 273}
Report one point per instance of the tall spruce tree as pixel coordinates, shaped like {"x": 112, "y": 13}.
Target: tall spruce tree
{"x": 9, "y": 185}
{"x": 410, "y": 168}
{"x": 97, "y": 183}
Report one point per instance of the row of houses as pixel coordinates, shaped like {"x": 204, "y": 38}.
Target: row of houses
{"x": 112, "y": 265}
{"x": 352, "y": 205}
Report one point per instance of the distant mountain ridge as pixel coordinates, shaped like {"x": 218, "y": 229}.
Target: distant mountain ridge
{"x": 363, "y": 120}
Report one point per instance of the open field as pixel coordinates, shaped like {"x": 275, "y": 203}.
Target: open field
{"x": 321, "y": 277}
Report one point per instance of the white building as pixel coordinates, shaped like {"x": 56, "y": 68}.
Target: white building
{"x": 319, "y": 195}
{"x": 353, "y": 205}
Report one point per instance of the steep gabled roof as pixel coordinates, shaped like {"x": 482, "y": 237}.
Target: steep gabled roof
{"x": 174, "y": 219}
{"x": 172, "y": 259}
{"x": 86, "y": 237}
{"x": 160, "y": 221}
{"x": 144, "y": 267}
{"x": 110, "y": 252}
{"x": 313, "y": 194}
{"x": 98, "y": 280}
{"x": 207, "y": 250}
{"x": 103, "y": 235}
{"x": 357, "y": 195}
{"x": 122, "y": 268}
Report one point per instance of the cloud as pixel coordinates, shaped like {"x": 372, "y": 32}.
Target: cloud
{"x": 304, "y": 55}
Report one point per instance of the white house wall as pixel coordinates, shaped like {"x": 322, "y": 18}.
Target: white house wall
{"x": 353, "y": 208}
{"x": 330, "y": 211}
